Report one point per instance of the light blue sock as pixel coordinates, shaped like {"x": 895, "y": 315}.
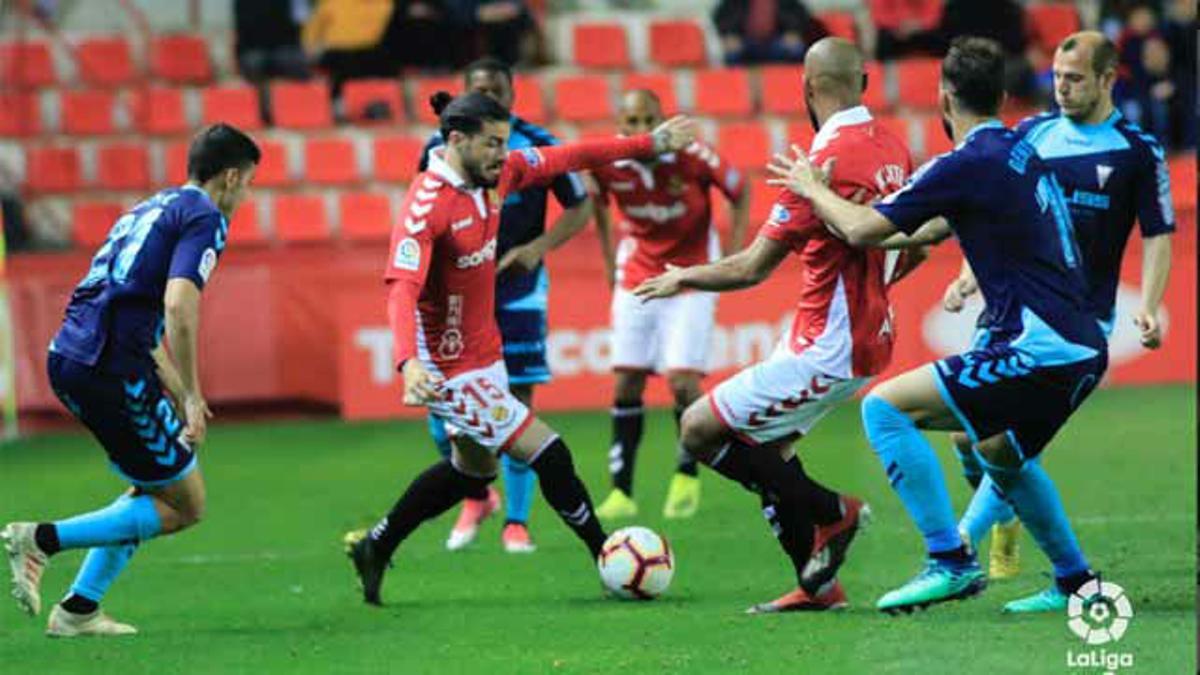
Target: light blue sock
{"x": 127, "y": 520}
{"x": 986, "y": 509}
{"x": 100, "y": 569}
{"x": 913, "y": 471}
{"x": 518, "y": 489}
{"x": 437, "y": 429}
{"x": 1036, "y": 501}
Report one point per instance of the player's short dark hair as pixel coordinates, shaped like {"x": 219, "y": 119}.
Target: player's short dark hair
{"x": 466, "y": 113}
{"x": 217, "y": 148}
{"x": 1104, "y": 54}
{"x": 488, "y": 64}
{"x": 974, "y": 72}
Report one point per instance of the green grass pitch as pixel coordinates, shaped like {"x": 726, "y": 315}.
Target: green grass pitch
{"x": 262, "y": 585}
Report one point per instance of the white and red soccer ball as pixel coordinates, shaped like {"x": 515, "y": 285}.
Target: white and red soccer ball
{"x": 636, "y": 563}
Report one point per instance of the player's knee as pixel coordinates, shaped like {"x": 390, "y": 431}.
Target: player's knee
{"x": 699, "y": 433}
{"x": 685, "y": 388}
{"x": 961, "y": 441}
{"x": 189, "y": 513}
{"x": 629, "y": 388}
{"x": 1000, "y": 454}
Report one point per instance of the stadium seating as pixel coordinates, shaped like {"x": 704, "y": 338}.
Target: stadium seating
{"x": 123, "y": 166}
{"x": 875, "y": 97}
{"x": 88, "y": 112}
{"x": 394, "y": 158}
{"x": 746, "y": 145}
{"x": 181, "y": 59}
{"x": 782, "y": 92}
{"x": 723, "y": 92}
{"x": 364, "y": 216}
{"x": 159, "y": 111}
{"x": 175, "y": 164}
{"x": 425, "y": 88}
{"x": 105, "y": 61}
{"x": 359, "y": 94}
{"x": 601, "y": 45}
{"x": 330, "y": 161}
{"x": 662, "y": 84}
{"x": 91, "y": 221}
{"x": 274, "y": 170}
{"x": 529, "y": 99}
{"x": 762, "y": 198}
{"x": 840, "y": 24}
{"x": 20, "y": 114}
{"x": 1183, "y": 183}
{"x": 1050, "y": 24}
{"x": 936, "y": 141}
{"x": 28, "y": 64}
{"x": 301, "y": 105}
{"x": 300, "y": 218}
{"x": 244, "y": 227}
{"x": 799, "y": 132}
{"x": 53, "y": 169}
{"x": 676, "y": 44}
{"x": 583, "y": 98}
{"x": 918, "y": 82}
{"x": 236, "y": 104}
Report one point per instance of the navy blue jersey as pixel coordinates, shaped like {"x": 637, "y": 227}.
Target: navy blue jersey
{"x": 1111, "y": 173}
{"x": 1014, "y": 227}
{"x": 115, "y": 316}
{"x": 523, "y": 216}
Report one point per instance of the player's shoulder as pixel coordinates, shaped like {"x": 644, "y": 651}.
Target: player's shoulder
{"x": 1140, "y": 141}
{"x": 1032, "y": 122}
{"x": 537, "y": 135}
{"x": 426, "y": 192}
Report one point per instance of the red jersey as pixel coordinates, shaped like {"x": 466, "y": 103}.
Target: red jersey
{"x": 443, "y": 252}
{"x": 843, "y": 315}
{"x": 667, "y": 210}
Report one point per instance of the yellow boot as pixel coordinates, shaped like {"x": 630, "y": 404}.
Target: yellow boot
{"x": 1004, "y": 559}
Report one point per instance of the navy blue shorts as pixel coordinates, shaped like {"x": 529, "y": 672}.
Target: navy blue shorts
{"x": 521, "y": 304}
{"x": 130, "y": 416}
{"x": 999, "y": 388}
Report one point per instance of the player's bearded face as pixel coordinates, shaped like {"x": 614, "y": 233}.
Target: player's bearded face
{"x": 483, "y": 153}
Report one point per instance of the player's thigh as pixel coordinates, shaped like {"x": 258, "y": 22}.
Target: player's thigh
{"x": 916, "y": 394}
{"x": 687, "y": 328}
{"x": 472, "y": 458}
{"x": 535, "y": 438}
{"x": 635, "y": 331}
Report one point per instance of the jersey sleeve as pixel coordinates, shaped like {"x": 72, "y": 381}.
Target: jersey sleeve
{"x": 200, "y": 243}
{"x": 719, "y": 172}
{"x": 410, "y": 257}
{"x": 934, "y": 190}
{"x": 568, "y": 188}
{"x": 539, "y": 165}
{"x": 1152, "y": 192}
{"x": 792, "y": 221}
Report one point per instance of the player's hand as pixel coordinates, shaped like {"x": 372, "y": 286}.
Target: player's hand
{"x": 420, "y": 387}
{"x": 675, "y": 134}
{"x": 1147, "y": 323}
{"x": 197, "y": 414}
{"x": 797, "y": 173}
{"x": 524, "y": 258}
{"x": 662, "y": 286}
{"x": 956, "y": 296}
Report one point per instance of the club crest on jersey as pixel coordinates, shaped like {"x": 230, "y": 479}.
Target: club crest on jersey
{"x": 499, "y": 414}
{"x": 675, "y": 186}
{"x": 208, "y": 262}
{"x": 779, "y": 214}
{"x": 1103, "y": 172}
{"x": 408, "y": 255}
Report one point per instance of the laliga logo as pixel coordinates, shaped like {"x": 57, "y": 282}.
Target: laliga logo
{"x": 1099, "y": 612}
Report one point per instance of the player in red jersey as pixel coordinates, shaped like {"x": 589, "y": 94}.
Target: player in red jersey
{"x": 841, "y": 335}
{"x": 668, "y": 221}
{"x": 441, "y": 297}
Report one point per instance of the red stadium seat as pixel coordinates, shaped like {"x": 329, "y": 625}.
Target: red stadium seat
{"x": 20, "y": 114}
{"x": 359, "y": 94}
{"x": 919, "y": 79}
{"x": 799, "y": 133}
{"x": 182, "y": 59}
{"x": 1050, "y": 24}
{"x": 92, "y": 221}
{"x": 274, "y": 170}
{"x": 840, "y": 24}
{"x": 936, "y": 141}
{"x": 301, "y": 218}
{"x": 782, "y": 91}
{"x": 597, "y": 130}
{"x": 662, "y": 84}
{"x": 897, "y": 124}
{"x": 330, "y": 161}
{"x": 175, "y": 163}
{"x": 123, "y": 166}
{"x": 395, "y": 158}
{"x": 875, "y": 97}
{"x": 583, "y": 98}
{"x": 244, "y": 227}
{"x": 105, "y": 62}
{"x": 235, "y": 104}
{"x": 159, "y": 110}
{"x": 601, "y": 45}
{"x": 530, "y": 99}
{"x": 675, "y": 44}
{"x": 723, "y": 92}
{"x": 762, "y": 198}
{"x": 301, "y": 105}
{"x": 1183, "y": 184}
{"x": 426, "y": 88}
{"x": 88, "y": 112}
{"x": 27, "y": 64}
{"x": 365, "y": 216}
{"x": 746, "y": 145}
{"x": 53, "y": 169}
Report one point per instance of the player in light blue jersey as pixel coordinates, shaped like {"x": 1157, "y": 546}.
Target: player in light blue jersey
{"x": 1112, "y": 173}
{"x": 1042, "y": 353}
{"x": 110, "y": 366}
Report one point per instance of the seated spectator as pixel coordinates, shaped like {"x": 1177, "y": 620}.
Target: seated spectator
{"x": 421, "y": 36}
{"x": 761, "y": 31}
{"x": 501, "y": 29}
{"x": 906, "y": 27}
{"x": 346, "y": 38}
{"x": 1004, "y": 22}
{"x": 267, "y": 42}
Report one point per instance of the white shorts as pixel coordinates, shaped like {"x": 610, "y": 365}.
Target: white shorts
{"x": 663, "y": 334}
{"x": 781, "y": 397}
{"x": 477, "y": 404}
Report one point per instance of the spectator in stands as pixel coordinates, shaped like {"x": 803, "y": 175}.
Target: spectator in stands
{"x": 1179, "y": 30}
{"x": 906, "y": 27}
{"x": 1004, "y": 22}
{"x": 268, "y": 39}
{"x": 15, "y": 236}
{"x": 421, "y": 36}
{"x": 759, "y": 31}
{"x": 346, "y": 38}
{"x": 501, "y": 29}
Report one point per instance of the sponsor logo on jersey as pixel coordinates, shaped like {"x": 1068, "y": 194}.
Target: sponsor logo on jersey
{"x": 408, "y": 255}
{"x": 657, "y": 213}
{"x": 623, "y": 186}
{"x": 462, "y": 224}
{"x": 889, "y": 177}
{"x": 488, "y": 252}
{"x": 208, "y": 262}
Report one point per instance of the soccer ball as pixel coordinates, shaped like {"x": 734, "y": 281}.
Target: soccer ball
{"x": 636, "y": 563}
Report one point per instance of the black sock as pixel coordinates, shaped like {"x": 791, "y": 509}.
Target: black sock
{"x": 45, "y": 535}
{"x": 1068, "y": 585}
{"x": 478, "y": 493}
{"x": 430, "y": 495}
{"x": 566, "y": 494}
{"x": 955, "y": 555}
{"x": 688, "y": 465}
{"x": 824, "y": 504}
{"x": 627, "y": 435}
{"x": 77, "y": 604}
{"x": 733, "y": 462}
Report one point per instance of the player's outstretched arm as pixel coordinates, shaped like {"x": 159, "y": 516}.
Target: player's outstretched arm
{"x": 1156, "y": 269}
{"x": 856, "y": 224}
{"x": 182, "y": 317}
{"x": 931, "y": 233}
{"x": 740, "y": 220}
{"x": 743, "y": 269}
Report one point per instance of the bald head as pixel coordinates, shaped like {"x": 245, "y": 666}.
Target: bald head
{"x": 834, "y": 67}
{"x": 640, "y": 112}
{"x": 1092, "y": 46}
